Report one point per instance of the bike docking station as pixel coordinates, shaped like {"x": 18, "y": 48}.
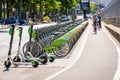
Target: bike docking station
{"x": 62, "y": 46}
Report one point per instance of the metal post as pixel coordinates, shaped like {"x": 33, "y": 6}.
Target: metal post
{"x": 84, "y": 14}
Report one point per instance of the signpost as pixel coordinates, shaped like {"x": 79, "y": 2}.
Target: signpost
{"x": 85, "y": 6}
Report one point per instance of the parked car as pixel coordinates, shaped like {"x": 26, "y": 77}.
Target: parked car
{"x": 1, "y": 21}
{"x": 64, "y": 18}
{"x": 13, "y": 20}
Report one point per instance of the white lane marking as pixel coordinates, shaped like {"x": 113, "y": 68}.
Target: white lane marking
{"x": 117, "y": 74}
{"x": 70, "y": 65}
{"x": 5, "y": 43}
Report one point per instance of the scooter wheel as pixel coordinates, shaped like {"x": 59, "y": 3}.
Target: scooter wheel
{"x": 7, "y": 64}
{"x": 35, "y": 64}
{"x": 51, "y": 59}
{"x": 44, "y": 59}
{"x": 16, "y": 59}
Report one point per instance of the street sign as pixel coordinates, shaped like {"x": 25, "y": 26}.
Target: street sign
{"x": 85, "y": 4}
{"x": 84, "y": 0}
{"x": 85, "y": 7}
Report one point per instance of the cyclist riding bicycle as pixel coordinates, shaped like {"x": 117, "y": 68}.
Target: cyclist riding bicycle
{"x": 99, "y": 18}
{"x": 94, "y": 23}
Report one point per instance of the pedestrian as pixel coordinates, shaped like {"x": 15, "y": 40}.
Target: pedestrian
{"x": 94, "y": 23}
{"x": 99, "y": 18}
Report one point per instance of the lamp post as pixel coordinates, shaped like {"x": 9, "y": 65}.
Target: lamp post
{"x": 85, "y": 7}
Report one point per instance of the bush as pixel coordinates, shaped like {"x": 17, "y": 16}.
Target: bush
{"x": 46, "y": 19}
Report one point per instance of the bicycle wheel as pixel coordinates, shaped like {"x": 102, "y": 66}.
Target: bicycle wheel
{"x": 95, "y": 29}
{"x": 63, "y": 51}
{"x": 33, "y": 47}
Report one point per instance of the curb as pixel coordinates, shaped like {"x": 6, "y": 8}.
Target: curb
{"x": 4, "y": 26}
{"x": 115, "y": 31}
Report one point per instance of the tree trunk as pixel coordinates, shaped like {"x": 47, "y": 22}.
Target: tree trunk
{"x": 41, "y": 13}
{"x": 4, "y": 9}
{"x": 0, "y": 9}
{"x": 7, "y": 9}
{"x": 19, "y": 9}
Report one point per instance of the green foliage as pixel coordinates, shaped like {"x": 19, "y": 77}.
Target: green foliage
{"x": 51, "y": 5}
{"x": 93, "y": 7}
{"x": 43, "y": 6}
{"x": 67, "y": 4}
{"x": 4, "y": 14}
{"x": 47, "y": 19}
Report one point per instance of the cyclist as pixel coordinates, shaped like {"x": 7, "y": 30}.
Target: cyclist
{"x": 99, "y": 18}
{"x": 94, "y": 23}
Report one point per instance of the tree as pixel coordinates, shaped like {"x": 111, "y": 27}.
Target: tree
{"x": 53, "y": 9}
{"x": 93, "y": 7}
{"x": 43, "y": 7}
{"x": 70, "y": 4}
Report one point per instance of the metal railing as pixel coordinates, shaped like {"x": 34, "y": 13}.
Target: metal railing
{"x": 112, "y": 20}
{"x": 111, "y": 14}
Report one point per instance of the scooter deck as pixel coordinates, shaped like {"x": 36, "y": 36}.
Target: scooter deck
{"x": 22, "y": 63}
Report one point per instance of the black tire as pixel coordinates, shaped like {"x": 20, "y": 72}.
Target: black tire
{"x": 16, "y": 59}
{"x": 44, "y": 59}
{"x": 7, "y": 63}
{"x": 95, "y": 29}
{"x": 51, "y": 59}
{"x": 35, "y": 64}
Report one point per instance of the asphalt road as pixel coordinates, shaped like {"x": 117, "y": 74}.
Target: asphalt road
{"x": 94, "y": 57}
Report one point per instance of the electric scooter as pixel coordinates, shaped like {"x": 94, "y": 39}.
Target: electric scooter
{"x": 20, "y": 57}
{"x": 7, "y": 63}
{"x": 17, "y": 60}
